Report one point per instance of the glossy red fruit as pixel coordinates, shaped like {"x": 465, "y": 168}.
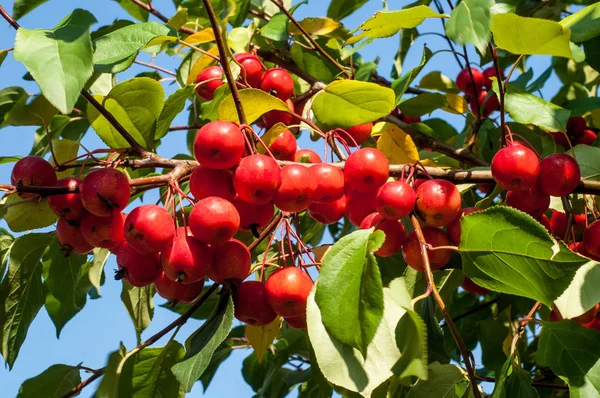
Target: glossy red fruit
{"x": 271, "y": 118}
{"x": 210, "y": 79}
{"x": 214, "y": 220}
{"x": 149, "y": 229}
{"x": 437, "y": 202}
{"x": 561, "y": 139}
{"x": 532, "y": 201}
{"x": 587, "y": 138}
{"x": 409, "y": 119}
{"x": 68, "y": 205}
{"x": 394, "y": 233}
{"x": 587, "y": 316}
{"x": 186, "y": 259}
{"x": 360, "y": 205}
{"x": 559, "y": 223}
{"x": 251, "y": 305}
{"x": 171, "y": 290}
{"x": 284, "y": 146}
{"x": 257, "y": 179}
{"x": 395, "y": 200}
{"x": 359, "y": 133}
{"x": 69, "y": 235}
{"x": 297, "y": 323}
{"x": 411, "y": 250}
{"x": 487, "y": 105}
{"x": 488, "y": 73}
{"x": 576, "y": 125}
{"x": 205, "y": 182}
{"x": 219, "y": 145}
{"x": 545, "y": 221}
{"x": 329, "y": 182}
{"x": 138, "y": 269}
{"x": 104, "y": 192}
{"x": 559, "y": 174}
{"x": 468, "y": 86}
{"x": 366, "y": 169}
{"x": 106, "y": 232}
{"x": 251, "y": 69}
{"x": 330, "y": 212}
{"x": 591, "y": 239}
{"x": 307, "y": 156}
{"x": 231, "y": 262}
{"x": 253, "y": 215}
{"x": 297, "y": 189}
{"x": 454, "y": 229}
{"x": 277, "y": 82}
{"x": 515, "y": 167}
{"x": 469, "y": 286}
{"x": 287, "y": 291}
{"x": 32, "y": 170}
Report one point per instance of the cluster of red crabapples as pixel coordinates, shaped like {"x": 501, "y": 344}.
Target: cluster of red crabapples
{"x": 478, "y": 85}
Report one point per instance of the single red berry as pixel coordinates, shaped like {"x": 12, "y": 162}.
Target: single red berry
{"x": 515, "y": 167}
{"x": 251, "y": 69}
{"x": 214, "y": 220}
{"x": 186, "y": 259}
{"x": 330, "y": 182}
{"x": 171, "y": 290}
{"x": 284, "y": 146}
{"x": 360, "y": 205}
{"x": 210, "y": 80}
{"x": 587, "y": 138}
{"x": 408, "y": 119}
{"x": 394, "y": 233}
{"x": 555, "y": 315}
{"x": 68, "y": 205}
{"x": 559, "y": 174}
{"x": 488, "y": 105}
{"x": 395, "y": 200}
{"x": 219, "y": 145}
{"x": 411, "y": 250}
{"x": 271, "y": 118}
{"x": 576, "y": 125}
{"x": 591, "y": 239}
{"x": 562, "y": 139}
{"x": 297, "y": 323}
{"x": 488, "y": 73}
{"x": 532, "y": 201}
{"x": 257, "y": 179}
{"x": 69, "y": 235}
{"x": 485, "y": 188}
{"x": 34, "y": 171}
{"x": 545, "y": 223}
{"x": 359, "y": 133}
{"x": 106, "y": 232}
{"x": 468, "y": 86}
{"x": 437, "y": 202}
{"x": 231, "y": 261}
{"x": 454, "y": 229}
{"x": 469, "y": 286}
{"x": 307, "y": 156}
{"x": 205, "y": 182}
{"x": 366, "y": 169}
{"x": 287, "y": 291}
{"x": 104, "y": 192}
{"x": 149, "y": 229}
{"x": 253, "y": 215}
{"x": 278, "y": 82}
{"x": 330, "y": 212}
{"x": 138, "y": 269}
{"x": 297, "y": 189}
{"x": 251, "y": 305}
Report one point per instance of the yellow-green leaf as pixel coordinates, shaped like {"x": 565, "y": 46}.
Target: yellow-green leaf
{"x": 204, "y": 36}
{"x": 319, "y": 26}
{"x": 388, "y": 23}
{"x": 521, "y": 35}
{"x": 270, "y": 136}
{"x": 202, "y": 63}
{"x": 261, "y": 337}
{"x": 437, "y": 81}
{"x": 584, "y": 24}
{"x": 397, "y": 146}
{"x": 456, "y": 104}
{"x": 27, "y": 215}
{"x": 255, "y": 104}
{"x": 64, "y": 150}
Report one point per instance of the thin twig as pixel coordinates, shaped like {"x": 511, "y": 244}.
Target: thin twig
{"x": 153, "y": 66}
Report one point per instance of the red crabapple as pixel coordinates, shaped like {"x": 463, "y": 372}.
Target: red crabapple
{"x": 219, "y": 145}
{"x": 104, "y": 192}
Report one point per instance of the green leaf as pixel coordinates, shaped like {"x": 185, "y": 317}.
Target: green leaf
{"x": 64, "y": 276}
{"x": 9, "y": 97}
{"x": 425, "y": 103}
{"x": 3, "y": 55}
{"x": 352, "y": 315}
{"x": 179, "y": 19}
{"x": 514, "y": 381}
{"x": 60, "y": 60}
{"x": 118, "y": 375}
{"x": 592, "y": 52}
{"x": 445, "y": 381}
{"x": 254, "y": 102}
{"x": 134, "y": 10}
{"x": 28, "y": 215}
{"x": 584, "y": 24}
{"x": 203, "y": 342}
{"x": 22, "y": 293}
{"x": 411, "y": 338}
{"x": 23, "y": 7}
{"x": 64, "y": 151}
{"x": 152, "y": 376}
{"x": 38, "y": 112}
{"x": 401, "y": 84}
{"x": 492, "y": 333}
{"x": 388, "y": 23}
{"x": 589, "y": 161}
{"x": 527, "y": 108}
{"x": 6, "y": 242}
{"x": 348, "y": 103}
{"x": 469, "y": 23}
{"x": 579, "y": 107}
{"x": 573, "y": 353}
{"x": 318, "y": 26}
{"x": 582, "y": 294}
{"x": 345, "y": 366}
{"x": 521, "y": 35}
{"x": 115, "y": 51}
{"x": 276, "y": 28}
{"x": 139, "y": 304}
{"x": 437, "y": 81}
{"x": 53, "y": 382}
{"x": 312, "y": 63}
{"x": 173, "y": 106}
{"x": 436, "y": 346}
{"x": 339, "y": 9}
{"x": 97, "y": 269}
{"x": 136, "y": 104}
{"x": 507, "y": 251}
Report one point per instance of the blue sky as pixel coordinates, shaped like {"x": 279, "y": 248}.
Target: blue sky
{"x": 99, "y": 328}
